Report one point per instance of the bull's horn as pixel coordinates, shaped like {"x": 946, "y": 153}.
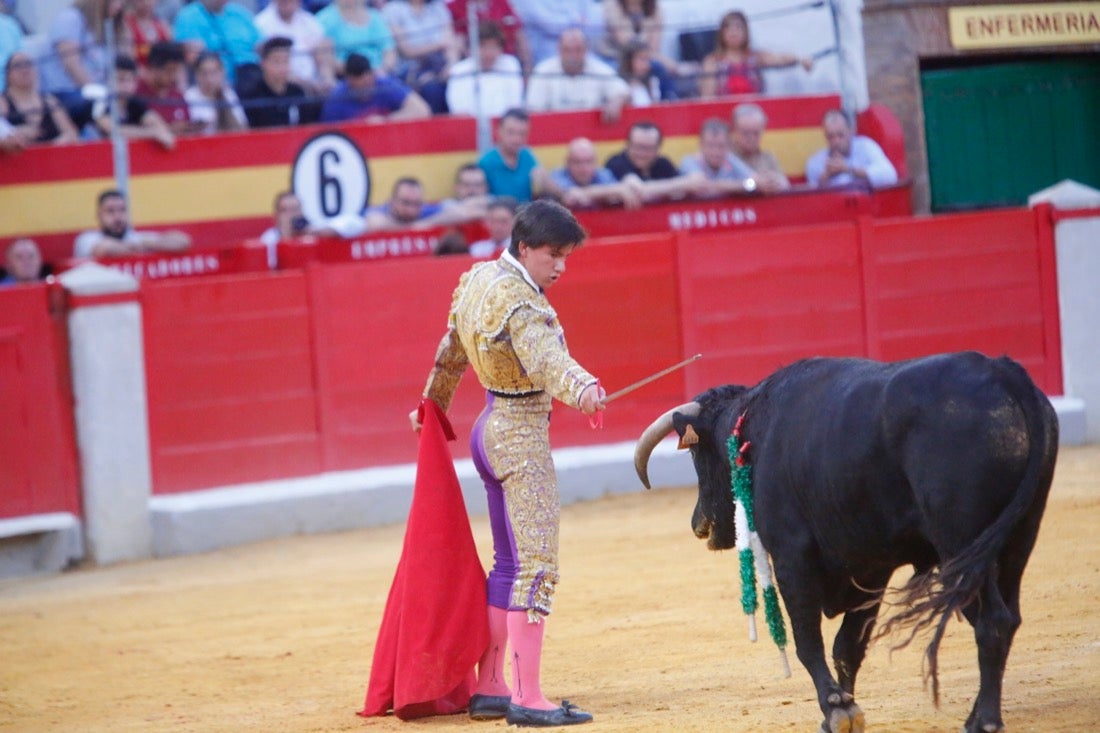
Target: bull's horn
{"x": 653, "y": 435}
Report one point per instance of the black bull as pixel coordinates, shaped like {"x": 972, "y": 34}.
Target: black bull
{"x": 860, "y": 467}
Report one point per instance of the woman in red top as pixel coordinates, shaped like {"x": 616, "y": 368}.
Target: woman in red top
{"x": 735, "y": 67}
{"x": 143, "y": 29}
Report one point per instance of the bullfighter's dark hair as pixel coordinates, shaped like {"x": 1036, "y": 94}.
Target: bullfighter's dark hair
{"x": 544, "y": 223}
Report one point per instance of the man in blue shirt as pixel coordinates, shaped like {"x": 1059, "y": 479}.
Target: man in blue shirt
{"x": 511, "y": 168}
{"x": 223, "y": 27}
{"x": 406, "y": 208}
{"x": 583, "y": 183}
{"x": 364, "y": 95}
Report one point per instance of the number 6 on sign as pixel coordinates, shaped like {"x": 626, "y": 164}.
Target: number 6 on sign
{"x": 331, "y": 178}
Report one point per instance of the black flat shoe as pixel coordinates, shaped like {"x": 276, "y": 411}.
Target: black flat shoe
{"x": 488, "y": 707}
{"x": 567, "y": 714}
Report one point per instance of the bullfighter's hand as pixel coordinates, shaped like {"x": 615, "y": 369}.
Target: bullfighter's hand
{"x": 591, "y": 400}
{"x": 414, "y": 421}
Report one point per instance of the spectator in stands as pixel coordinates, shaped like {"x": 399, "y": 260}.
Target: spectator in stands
{"x": 22, "y": 263}
{"x": 627, "y": 22}
{"x": 160, "y": 87}
{"x": 10, "y": 142}
{"x": 273, "y": 100}
{"x": 355, "y": 27}
{"x": 648, "y": 80}
{"x": 136, "y": 120}
{"x": 511, "y": 167}
{"x": 498, "y": 12}
{"x": 290, "y": 223}
{"x": 642, "y": 155}
{"x": 583, "y": 183}
{"x": 80, "y": 57}
{"x": 35, "y": 117}
{"x": 364, "y": 95}
{"x": 575, "y": 79}
{"x": 544, "y": 21}
{"x": 470, "y": 185}
{"x": 211, "y": 102}
{"x": 426, "y": 46}
{"x": 143, "y": 29}
{"x": 471, "y": 195}
{"x": 489, "y": 82}
{"x": 655, "y": 177}
{"x": 848, "y": 160}
{"x": 749, "y": 123}
{"x": 735, "y": 67}
{"x": 405, "y": 209}
{"x": 11, "y": 37}
{"x": 721, "y": 171}
{"x": 451, "y": 242}
{"x": 116, "y": 238}
{"x": 226, "y": 28}
{"x": 500, "y": 217}
{"x": 312, "y": 61}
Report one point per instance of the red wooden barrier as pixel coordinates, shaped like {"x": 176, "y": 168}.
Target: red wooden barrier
{"x": 278, "y": 375}
{"x": 271, "y": 375}
{"x": 230, "y": 378}
{"x": 38, "y": 472}
{"x": 968, "y": 281}
{"x": 764, "y": 298}
{"x": 247, "y": 257}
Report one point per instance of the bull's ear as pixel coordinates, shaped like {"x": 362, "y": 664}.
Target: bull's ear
{"x": 689, "y": 438}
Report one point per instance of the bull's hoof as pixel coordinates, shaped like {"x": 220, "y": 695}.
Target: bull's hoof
{"x": 987, "y": 728}
{"x": 848, "y": 719}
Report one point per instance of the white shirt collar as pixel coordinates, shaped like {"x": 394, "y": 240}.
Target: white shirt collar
{"x": 507, "y": 257}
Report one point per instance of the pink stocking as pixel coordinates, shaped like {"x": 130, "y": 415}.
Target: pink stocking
{"x": 490, "y": 670}
{"x": 526, "y": 641}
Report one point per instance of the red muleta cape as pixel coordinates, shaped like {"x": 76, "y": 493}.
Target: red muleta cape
{"x": 435, "y": 626}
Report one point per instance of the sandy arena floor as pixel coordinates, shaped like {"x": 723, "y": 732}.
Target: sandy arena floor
{"x": 647, "y": 634}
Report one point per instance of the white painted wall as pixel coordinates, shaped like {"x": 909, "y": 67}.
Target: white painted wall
{"x": 111, "y": 415}
{"x": 1077, "y": 244}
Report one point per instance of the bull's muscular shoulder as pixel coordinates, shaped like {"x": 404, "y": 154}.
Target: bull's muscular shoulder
{"x": 494, "y": 291}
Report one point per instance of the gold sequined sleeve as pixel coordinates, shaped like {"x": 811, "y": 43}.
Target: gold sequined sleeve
{"x": 539, "y": 344}
{"x": 450, "y": 357}
{"x": 450, "y": 365}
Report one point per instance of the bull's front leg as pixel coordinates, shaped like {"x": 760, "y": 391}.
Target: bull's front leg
{"x": 842, "y": 715}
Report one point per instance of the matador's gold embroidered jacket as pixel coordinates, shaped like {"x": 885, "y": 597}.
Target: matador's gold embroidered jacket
{"x": 504, "y": 327}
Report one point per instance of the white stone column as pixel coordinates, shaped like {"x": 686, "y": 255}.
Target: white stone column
{"x": 111, "y": 414}
{"x": 1077, "y": 247}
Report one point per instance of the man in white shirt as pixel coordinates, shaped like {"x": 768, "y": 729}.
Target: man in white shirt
{"x": 575, "y": 79}
{"x": 499, "y": 220}
{"x": 488, "y": 83}
{"x": 312, "y": 59}
{"x": 848, "y": 160}
{"x": 116, "y": 238}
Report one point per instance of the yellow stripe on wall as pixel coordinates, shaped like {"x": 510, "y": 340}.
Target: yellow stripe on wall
{"x": 248, "y": 192}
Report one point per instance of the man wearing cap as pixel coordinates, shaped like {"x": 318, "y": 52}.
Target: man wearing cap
{"x": 365, "y": 95}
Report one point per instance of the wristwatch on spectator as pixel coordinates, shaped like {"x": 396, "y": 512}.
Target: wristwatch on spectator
{"x": 748, "y": 185}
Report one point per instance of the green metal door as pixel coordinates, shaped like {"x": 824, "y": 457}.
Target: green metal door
{"x": 997, "y": 132}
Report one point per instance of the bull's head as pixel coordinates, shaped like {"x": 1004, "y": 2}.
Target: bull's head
{"x": 703, "y": 426}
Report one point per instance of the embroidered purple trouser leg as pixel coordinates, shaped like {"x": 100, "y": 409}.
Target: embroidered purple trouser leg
{"x": 503, "y": 574}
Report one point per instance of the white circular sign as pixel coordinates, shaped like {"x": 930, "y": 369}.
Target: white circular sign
{"x": 330, "y": 177}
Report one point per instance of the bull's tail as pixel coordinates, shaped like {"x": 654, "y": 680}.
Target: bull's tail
{"x": 932, "y": 597}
